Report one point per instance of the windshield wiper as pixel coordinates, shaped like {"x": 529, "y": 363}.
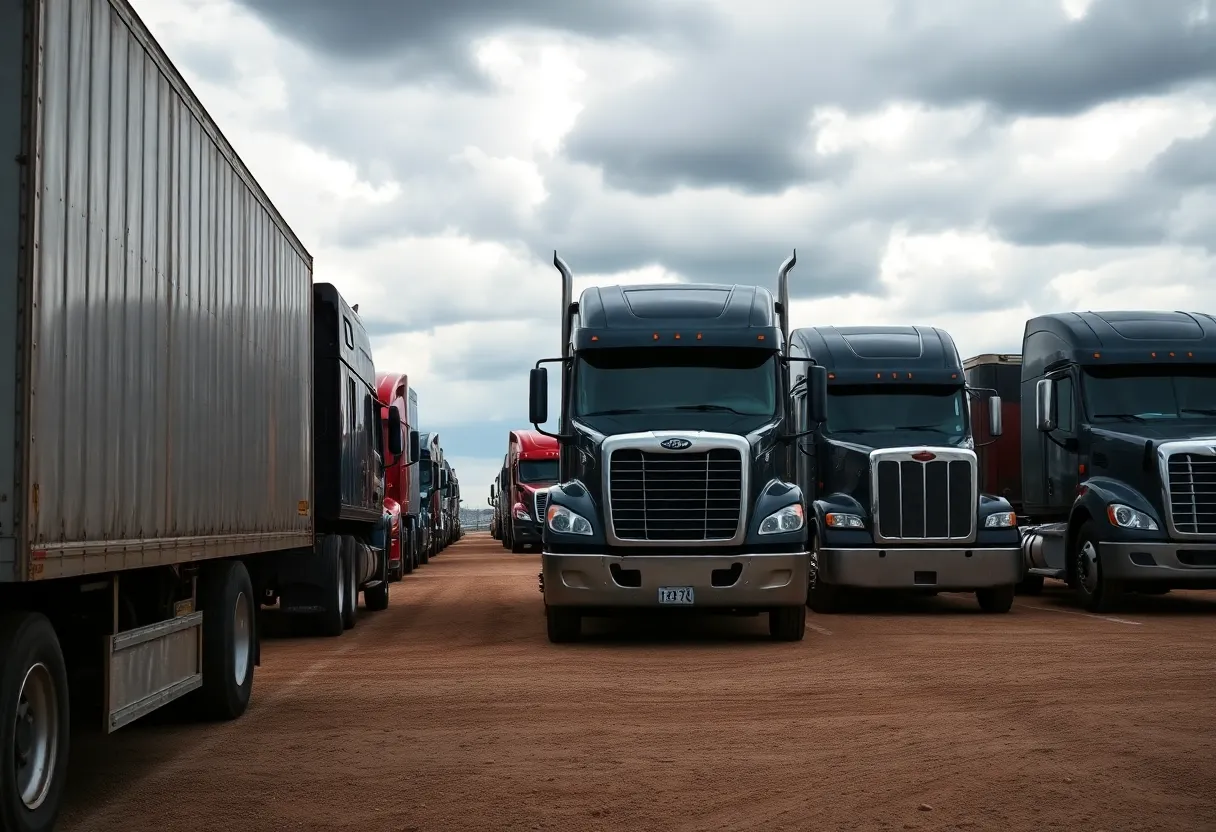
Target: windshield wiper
{"x": 709, "y": 407}
{"x": 1202, "y": 411}
{"x": 1132, "y": 416}
{"x": 892, "y": 430}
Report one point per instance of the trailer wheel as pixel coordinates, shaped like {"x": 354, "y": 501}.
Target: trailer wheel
{"x": 996, "y": 598}
{"x": 34, "y": 723}
{"x": 350, "y": 583}
{"x": 563, "y": 623}
{"x": 333, "y": 586}
{"x": 229, "y": 640}
{"x": 787, "y": 623}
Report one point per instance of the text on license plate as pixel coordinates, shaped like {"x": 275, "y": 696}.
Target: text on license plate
{"x": 675, "y": 595}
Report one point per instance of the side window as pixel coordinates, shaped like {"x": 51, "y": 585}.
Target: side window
{"x": 1065, "y": 404}
{"x": 349, "y": 333}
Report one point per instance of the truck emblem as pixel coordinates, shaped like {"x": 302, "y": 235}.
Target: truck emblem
{"x": 675, "y": 444}
{"x": 924, "y": 456}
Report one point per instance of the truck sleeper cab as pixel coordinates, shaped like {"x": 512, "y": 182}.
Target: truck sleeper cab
{"x": 893, "y": 475}
{"x": 532, "y": 468}
{"x": 1118, "y": 452}
{"x": 673, "y": 488}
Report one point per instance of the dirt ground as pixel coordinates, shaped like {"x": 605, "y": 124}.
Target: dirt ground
{"x": 451, "y": 710}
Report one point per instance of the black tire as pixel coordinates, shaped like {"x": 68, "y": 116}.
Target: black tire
{"x": 424, "y": 552}
{"x": 34, "y": 669}
{"x": 350, "y": 563}
{"x": 225, "y": 595}
{"x": 995, "y": 599}
{"x": 564, "y": 624}
{"x": 823, "y": 598}
{"x": 787, "y": 623}
{"x": 407, "y": 551}
{"x": 333, "y": 586}
{"x": 1094, "y": 590}
{"x": 375, "y": 597}
{"x": 1030, "y": 585}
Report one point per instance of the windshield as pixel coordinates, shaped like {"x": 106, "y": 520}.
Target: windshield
{"x": 424, "y": 476}
{"x": 649, "y": 380}
{"x": 1149, "y": 393}
{"x": 937, "y": 409}
{"x": 538, "y": 470}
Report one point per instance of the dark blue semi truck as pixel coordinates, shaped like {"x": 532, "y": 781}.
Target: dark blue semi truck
{"x": 674, "y": 487}
{"x": 891, "y": 471}
{"x": 1117, "y": 488}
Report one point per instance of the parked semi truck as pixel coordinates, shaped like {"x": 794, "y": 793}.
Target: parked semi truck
{"x": 1117, "y": 483}
{"x": 502, "y": 511}
{"x": 674, "y": 488}
{"x": 531, "y": 468}
{"x": 429, "y": 480}
{"x": 449, "y": 495}
{"x": 892, "y": 474}
{"x": 401, "y": 498}
{"x": 492, "y": 502}
{"x": 187, "y": 424}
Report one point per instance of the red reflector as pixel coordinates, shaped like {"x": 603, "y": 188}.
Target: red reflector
{"x": 924, "y": 456}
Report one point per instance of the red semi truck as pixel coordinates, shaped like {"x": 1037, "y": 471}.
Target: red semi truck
{"x": 189, "y": 426}
{"x": 401, "y": 492}
{"x": 531, "y": 467}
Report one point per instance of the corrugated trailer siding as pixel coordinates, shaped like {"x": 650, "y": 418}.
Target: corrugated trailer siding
{"x": 172, "y": 371}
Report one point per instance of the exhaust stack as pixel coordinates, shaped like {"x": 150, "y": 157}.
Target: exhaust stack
{"x": 783, "y": 298}
{"x": 567, "y": 299}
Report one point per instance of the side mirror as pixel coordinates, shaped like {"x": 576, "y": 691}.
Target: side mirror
{"x": 538, "y": 396}
{"x": 994, "y": 416}
{"x": 817, "y": 393}
{"x": 394, "y": 431}
{"x": 1045, "y": 405}
{"x": 415, "y": 447}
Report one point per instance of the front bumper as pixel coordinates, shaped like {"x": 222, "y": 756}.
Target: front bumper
{"x": 1175, "y": 564}
{"x": 526, "y": 532}
{"x": 917, "y": 568}
{"x": 717, "y": 581}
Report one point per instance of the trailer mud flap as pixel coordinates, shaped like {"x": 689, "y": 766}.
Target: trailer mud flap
{"x": 151, "y": 666}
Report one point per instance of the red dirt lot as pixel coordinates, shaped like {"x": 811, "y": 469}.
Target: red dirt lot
{"x": 451, "y": 710}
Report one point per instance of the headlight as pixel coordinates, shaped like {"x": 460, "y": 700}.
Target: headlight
{"x": 521, "y": 513}
{"x": 844, "y": 521}
{"x": 1128, "y": 518}
{"x": 1001, "y": 520}
{"x": 788, "y": 519}
{"x": 562, "y": 519}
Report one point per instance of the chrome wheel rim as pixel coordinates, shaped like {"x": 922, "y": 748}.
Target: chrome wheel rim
{"x": 1087, "y": 568}
{"x": 36, "y": 734}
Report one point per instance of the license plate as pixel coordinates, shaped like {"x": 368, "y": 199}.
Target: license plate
{"x": 675, "y": 595}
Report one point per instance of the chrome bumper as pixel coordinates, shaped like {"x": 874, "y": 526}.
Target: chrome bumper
{"x": 634, "y": 581}
{"x": 917, "y": 568}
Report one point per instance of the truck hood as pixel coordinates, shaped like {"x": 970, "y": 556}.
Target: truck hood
{"x": 1138, "y": 434}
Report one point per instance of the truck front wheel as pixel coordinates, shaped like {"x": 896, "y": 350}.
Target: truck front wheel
{"x": 1095, "y": 591}
{"x": 34, "y": 723}
{"x": 996, "y": 598}
{"x": 564, "y": 624}
{"x": 229, "y": 640}
{"x": 787, "y": 623}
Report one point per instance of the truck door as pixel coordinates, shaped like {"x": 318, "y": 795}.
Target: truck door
{"x": 1060, "y": 464}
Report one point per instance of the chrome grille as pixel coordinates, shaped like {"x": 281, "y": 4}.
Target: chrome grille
{"x": 690, "y": 496}
{"x": 1192, "y": 491}
{"x": 933, "y": 499}
{"x": 540, "y": 502}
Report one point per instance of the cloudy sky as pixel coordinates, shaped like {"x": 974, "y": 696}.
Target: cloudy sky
{"x": 963, "y": 164}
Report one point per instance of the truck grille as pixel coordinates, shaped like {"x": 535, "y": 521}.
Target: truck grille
{"x": 676, "y": 496}
{"x": 1193, "y": 493}
{"x": 540, "y": 501}
{"x": 925, "y": 500}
